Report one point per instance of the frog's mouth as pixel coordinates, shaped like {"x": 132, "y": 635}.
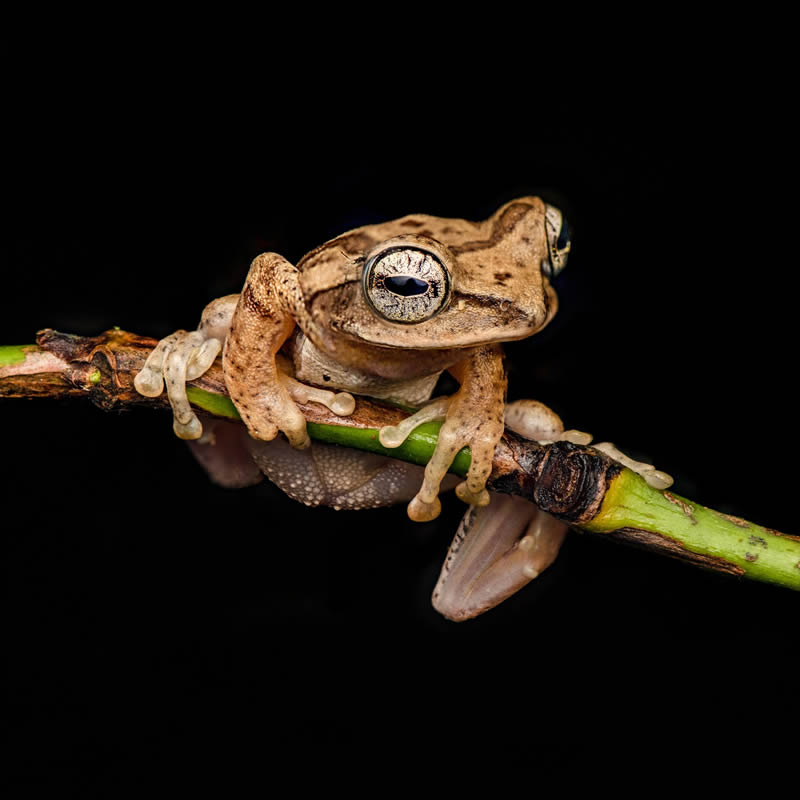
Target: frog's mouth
{"x": 467, "y": 320}
{"x": 400, "y": 338}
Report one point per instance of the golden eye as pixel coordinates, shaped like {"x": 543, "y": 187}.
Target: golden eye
{"x": 406, "y": 284}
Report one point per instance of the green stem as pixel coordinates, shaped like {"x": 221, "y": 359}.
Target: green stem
{"x": 629, "y": 506}
{"x": 14, "y": 353}
{"x": 756, "y": 552}
{"x": 417, "y": 448}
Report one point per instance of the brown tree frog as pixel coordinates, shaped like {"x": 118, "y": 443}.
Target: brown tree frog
{"x": 383, "y": 310}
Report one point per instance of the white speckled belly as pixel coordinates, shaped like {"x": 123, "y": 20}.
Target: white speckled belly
{"x": 312, "y": 366}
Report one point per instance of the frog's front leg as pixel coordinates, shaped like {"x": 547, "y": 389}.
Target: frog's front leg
{"x": 264, "y": 317}
{"x": 252, "y": 327}
{"x": 473, "y": 417}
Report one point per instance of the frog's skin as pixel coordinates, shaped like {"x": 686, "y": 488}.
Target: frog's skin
{"x": 383, "y": 310}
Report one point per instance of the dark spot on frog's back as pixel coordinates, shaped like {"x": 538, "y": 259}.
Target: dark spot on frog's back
{"x": 412, "y": 223}
{"x": 501, "y": 277}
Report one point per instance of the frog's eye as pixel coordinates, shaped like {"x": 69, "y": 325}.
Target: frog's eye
{"x": 558, "y": 241}
{"x": 406, "y": 284}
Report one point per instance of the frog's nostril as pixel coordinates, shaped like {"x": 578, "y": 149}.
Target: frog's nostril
{"x": 405, "y": 285}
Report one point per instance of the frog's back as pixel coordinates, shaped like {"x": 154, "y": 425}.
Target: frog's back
{"x": 457, "y": 234}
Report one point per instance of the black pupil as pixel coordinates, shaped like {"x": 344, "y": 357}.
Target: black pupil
{"x": 563, "y": 236}
{"x": 405, "y": 285}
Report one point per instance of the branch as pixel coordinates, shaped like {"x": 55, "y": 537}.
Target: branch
{"x": 577, "y": 484}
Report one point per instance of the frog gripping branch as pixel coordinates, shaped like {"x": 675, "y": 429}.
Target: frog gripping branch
{"x": 573, "y": 483}
{"x": 381, "y": 312}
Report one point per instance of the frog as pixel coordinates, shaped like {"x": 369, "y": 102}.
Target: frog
{"x": 383, "y": 310}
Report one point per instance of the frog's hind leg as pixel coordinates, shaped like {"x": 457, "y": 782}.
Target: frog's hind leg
{"x": 223, "y": 453}
{"x": 501, "y": 547}
{"x": 496, "y": 551}
{"x": 322, "y": 474}
{"x": 339, "y": 477}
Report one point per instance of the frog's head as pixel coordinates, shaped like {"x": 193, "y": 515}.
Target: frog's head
{"x": 424, "y": 282}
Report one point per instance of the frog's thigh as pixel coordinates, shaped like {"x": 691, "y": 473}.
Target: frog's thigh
{"x": 496, "y": 551}
{"x": 340, "y": 477}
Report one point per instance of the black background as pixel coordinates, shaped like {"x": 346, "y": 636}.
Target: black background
{"x": 158, "y": 618}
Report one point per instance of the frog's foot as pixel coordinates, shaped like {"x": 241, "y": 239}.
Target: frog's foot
{"x": 178, "y": 358}
{"x": 654, "y": 477}
{"x": 425, "y": 506}
{"x": 460, "y": 429}
{"x": 395, "y": 435}
{"x": 536, "y": 421}
{"x": 496, "y": 551}
{"x": 343, "y": 404}
{"x": 272, "y": 407}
